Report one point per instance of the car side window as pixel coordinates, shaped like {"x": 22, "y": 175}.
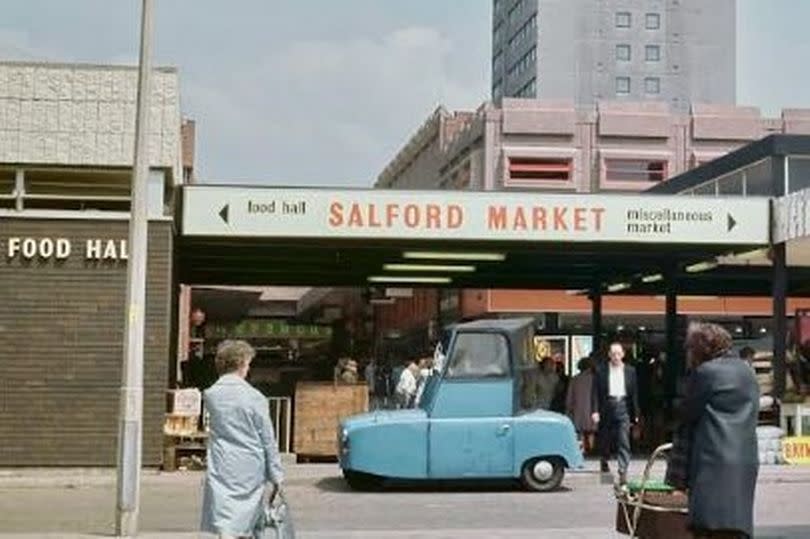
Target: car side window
{"x": 479, "y": 355}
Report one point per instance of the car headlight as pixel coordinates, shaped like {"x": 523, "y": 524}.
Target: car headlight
{"x": 343, "y": 438}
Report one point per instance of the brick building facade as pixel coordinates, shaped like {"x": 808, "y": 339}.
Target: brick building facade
{"x": 66, "y": 143}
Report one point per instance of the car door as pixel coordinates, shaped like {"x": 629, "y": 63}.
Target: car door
{"x": 470, "y": 430}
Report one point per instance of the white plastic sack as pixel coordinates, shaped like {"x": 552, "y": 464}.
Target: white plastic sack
{"x": 769, "y": 433}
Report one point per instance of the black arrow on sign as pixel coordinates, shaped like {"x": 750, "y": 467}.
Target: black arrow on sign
{"x": 223, "y": 213}
{"x": 731, "y": 222}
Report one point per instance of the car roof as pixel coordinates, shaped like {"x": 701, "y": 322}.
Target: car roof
{"x": 510, "y": 325}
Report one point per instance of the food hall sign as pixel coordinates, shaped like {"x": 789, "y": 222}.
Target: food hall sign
{"x": 28, "y": 248}
{"x": 475, "y": 216}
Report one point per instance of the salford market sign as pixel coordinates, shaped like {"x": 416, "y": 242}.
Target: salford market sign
{"x": 476, "y": 216}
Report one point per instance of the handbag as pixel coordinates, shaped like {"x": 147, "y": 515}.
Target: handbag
{"x": 277, "y": 521}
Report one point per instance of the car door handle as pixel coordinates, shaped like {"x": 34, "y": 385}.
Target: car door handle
{"x": 504, "y": 430}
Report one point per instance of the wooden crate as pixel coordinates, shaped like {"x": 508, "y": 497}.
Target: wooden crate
{"x": 175, "y": 446}
{"x": 319, "y": 407}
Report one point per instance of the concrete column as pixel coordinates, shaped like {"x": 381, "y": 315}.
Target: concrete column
{"x": 596, "y": 319}
{"x": 780, "y": 283}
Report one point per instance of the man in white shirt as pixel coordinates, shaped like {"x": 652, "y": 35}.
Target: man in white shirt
{"x": 407, "y": 386}
{"x": 615, "y": 405}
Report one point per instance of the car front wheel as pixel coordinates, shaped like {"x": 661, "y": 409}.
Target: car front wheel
{"x": 543, "y": 474}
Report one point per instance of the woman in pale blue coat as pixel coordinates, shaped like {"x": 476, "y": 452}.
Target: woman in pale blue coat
{"x": 242, "y": 453}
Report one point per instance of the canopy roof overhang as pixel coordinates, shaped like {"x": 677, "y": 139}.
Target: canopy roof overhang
{"x": 327, "y": 237}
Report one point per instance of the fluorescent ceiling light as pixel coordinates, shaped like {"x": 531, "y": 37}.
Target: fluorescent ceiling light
{"x": 577, "y": 292}
{"x": 652, "y": 278}
{"x": 405, "y": 279}
{"x": 752, "y": 255}
{"x": 701, "y": 266}
{"x": 429, "y": 267}
{"x": 442, "y": 255}
{"x": 618, "y": 287}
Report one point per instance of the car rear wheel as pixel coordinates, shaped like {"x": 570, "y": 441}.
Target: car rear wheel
{"x": 543, "y": 474}
{"x": 362, "y": 481}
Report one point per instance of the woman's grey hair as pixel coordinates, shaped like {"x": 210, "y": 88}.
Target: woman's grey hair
{"x": 232, "y": 355}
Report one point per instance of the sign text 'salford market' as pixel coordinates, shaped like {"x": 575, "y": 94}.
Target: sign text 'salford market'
{"x": 481, "y": 216}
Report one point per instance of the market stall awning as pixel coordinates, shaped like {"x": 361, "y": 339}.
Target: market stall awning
{"x": 341, "y": 237}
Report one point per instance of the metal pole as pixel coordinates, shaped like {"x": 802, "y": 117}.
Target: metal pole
{"x": 780, "y": 331}
{"x": 673, "y": 368}
{"x": 131, "y": 407}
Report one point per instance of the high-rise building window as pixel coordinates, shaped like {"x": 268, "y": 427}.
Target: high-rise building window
{"x": 516, "y": 11}
{"x": 623, "y": 53}
{"x": 528, "y": 90}
{"x": 497, "y": 34}
{"x": 497, "y": 90}
{"x": 524, "y": 64}
{"x": 525, "y": 31}
{"x": 622, "y": 85}
{"x": 652, "y": 21}
{"x": 497, "y": 63}
{"x": 652, "y": 85}
{"x": 652, "y": 53}
{"x": 624, "y": 19}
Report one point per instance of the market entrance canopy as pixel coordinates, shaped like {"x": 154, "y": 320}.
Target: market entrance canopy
{"x": 216, "y": 211}
{"x": 345, "y": 237}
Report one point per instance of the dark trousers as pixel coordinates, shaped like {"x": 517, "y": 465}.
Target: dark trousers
{"x": 614, "y": 427}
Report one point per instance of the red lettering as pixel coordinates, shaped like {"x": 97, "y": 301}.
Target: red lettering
{"x": 497, "y": 218}
{"x": 520, "y": 220}
{"x": 559, "y": 218}
{"x": 355, "y": 216}
{"x": 455, "y": 216}
{"x": 373, "y": 222}
{"x": 597, "y": 214}
{"x": 579, "y": 220}
{"x": 411, "y": 215}
{"x": 434, "y": 216}
{"x": 391, "y": 214}
{"x": 336, "y": 214}
{"x": 539, "y": 218}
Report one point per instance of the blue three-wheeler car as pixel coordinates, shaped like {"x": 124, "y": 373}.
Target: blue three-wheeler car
{"x": 476, "y": 419}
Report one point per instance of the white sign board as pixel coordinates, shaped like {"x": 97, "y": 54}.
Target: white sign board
{"x": 483, "y": 216}
{"x": 791, "y": 218}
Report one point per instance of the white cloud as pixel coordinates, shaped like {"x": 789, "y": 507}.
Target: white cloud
{"x": 17, "y": 45}
{"x": 323, "y": 111}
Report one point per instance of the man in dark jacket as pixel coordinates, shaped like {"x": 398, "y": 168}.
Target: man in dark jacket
{"x": 714, "y": 456}
{"x": 615, "y": 405}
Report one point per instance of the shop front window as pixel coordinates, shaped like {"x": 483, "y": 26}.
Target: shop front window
{"x": 798, "y": 173}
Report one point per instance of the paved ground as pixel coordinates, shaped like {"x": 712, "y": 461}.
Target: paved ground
{"x": 74, "y": 504}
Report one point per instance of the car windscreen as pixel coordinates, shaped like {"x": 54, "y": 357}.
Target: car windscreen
{"x": 479, "y": 355}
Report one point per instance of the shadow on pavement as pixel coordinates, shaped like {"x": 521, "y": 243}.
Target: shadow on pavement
{"x": 338, "y": 484}
{"x": 783, "y": 532}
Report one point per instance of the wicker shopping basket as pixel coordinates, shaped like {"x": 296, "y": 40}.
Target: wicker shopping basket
{"x": 668, "y": 519}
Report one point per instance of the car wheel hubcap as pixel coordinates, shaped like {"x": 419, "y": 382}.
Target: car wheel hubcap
{"x": 543, "y": 470}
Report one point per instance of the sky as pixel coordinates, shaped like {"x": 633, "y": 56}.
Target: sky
{"x": 325, "y": 92}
